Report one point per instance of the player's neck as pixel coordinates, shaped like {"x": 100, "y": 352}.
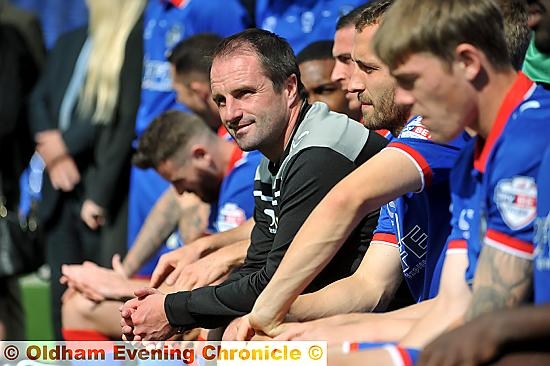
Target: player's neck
{"x": 491, "y": 98}
{"x": 276, "y": 151}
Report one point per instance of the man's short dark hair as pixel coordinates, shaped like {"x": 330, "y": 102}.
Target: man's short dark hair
{"x": 372, "y": 14}
{"x": 194, "y": 54}
{"x": 516, "y": 31}
{"x": 350, "y": 18}
{"x": 274, "y": 53}
{"x": 319, "y": 50}
{"x": 166, "y": 136}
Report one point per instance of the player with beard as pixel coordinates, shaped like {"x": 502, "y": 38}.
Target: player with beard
{"x": 411, "y": 233}
{"x": 343, "y": 65}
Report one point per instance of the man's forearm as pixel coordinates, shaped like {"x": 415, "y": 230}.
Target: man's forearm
{"x": 160, "y": 223}
{"x": 340, "y": 297}
{"x": 448, "y": 308}
{"x": 378, "y": 277}
{"x": 193, "y": 219}
{"x": 236, "y": 252}
{"x": 217, "y": 241}
{"x": 412, "y": 312}
{"x": 501, "y": 281}
{"x": 522, "y": 324}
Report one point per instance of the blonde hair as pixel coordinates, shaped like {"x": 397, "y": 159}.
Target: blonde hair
{"x": 437, "y": 27}
{"x": 110, "y": 24}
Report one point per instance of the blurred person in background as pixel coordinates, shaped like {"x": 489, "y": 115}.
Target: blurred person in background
{"x": 56, "y": 16}
{"x": 167, "y": 22}
{"x": 82, "y": 116}
{"x": 28, "y": 27}
{"x": 18, "y": 73}
{"x": 316, "y": 64}
{"x": 301, "y": 22}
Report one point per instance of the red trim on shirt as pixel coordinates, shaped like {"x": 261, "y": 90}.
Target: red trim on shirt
{"x": 70, "y": 334}
{"x": 515, "y": 96}
{"x": 383, "y": 133}
{"x": 236, "y": 155}
{"x": 511, "y": 242}
{"x": 385, "y": 237}
{"x": 178, "y": 3}
{"x": 222, "y": 132}
{"x": 457, "y": 244}
{"x": 426, "y": 170}
{"x": 407, "y": 361}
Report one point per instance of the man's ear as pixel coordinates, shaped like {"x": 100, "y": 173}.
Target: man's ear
{"x": 469, "y": 60}
{"x": 291, "y": 88}
{"x": 200, "y": 155}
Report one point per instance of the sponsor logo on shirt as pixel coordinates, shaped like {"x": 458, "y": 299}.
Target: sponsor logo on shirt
{"x": 415, "y": 130}
{"x": 174, "y": 35}
{"x": 230, "y": 216}
{"x": 516, "y": 201}
{"x": 156, "y": 76}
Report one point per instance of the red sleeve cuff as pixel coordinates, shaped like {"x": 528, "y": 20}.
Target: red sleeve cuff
{"x": 389, "y": 239}
{"x": 509, "y": 244}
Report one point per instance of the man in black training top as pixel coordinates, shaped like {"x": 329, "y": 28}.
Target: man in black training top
{"x": 256, "y": 86}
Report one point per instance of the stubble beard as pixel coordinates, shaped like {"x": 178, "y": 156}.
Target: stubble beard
{"x": 387, "y": 115}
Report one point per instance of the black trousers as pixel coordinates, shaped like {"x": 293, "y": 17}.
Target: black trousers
{"x": 12, "y": 319}
{"x": 68, "y": 241}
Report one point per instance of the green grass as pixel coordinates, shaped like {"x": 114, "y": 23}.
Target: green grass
{"x": 35, "y": 294}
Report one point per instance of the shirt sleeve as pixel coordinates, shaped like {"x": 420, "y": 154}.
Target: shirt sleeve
{"x": 456, "y": 243}
{"x": 385, "y": 231}
{"x": 433, "y": 161}
{"x": 302, "y": 189}
{"x": 236, "y": 203}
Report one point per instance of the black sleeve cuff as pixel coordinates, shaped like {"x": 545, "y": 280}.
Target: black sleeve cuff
{"x": 175, "y": 307}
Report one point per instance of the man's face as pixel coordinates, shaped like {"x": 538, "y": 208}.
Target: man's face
{"x": 316, "y": 79}
{"x": 343, "y": 66}
{"x": 374, "y": 86}
{"x": 185, "y": 94}
{"x": 539, "y": 21}
{"x": 194, "y": 98}
{"x": 442, "y": 94}
{"x": 187, "y": 174}
{"x": 251, "y": 110}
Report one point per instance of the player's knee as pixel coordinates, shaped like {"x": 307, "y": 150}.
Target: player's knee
{"x": 76, "y": 310}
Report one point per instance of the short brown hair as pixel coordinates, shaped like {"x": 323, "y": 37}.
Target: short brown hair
{"x": 350, "y": 18}
{"x": 168, "y": 135}
{"x": 437, "y": 27}
{"x": 194, "y": 54}
{"x": 516, "y": 30}
{"x": 372, "y": 14}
